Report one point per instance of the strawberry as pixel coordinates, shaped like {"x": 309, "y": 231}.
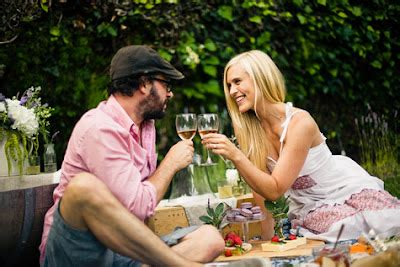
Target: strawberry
{"x": 237, "y": 241}
{"x": 228, "y": 252}
{"x": 292, "y": 237}
{"x": 229, "y": 242}
{"x": 230, "y": 235}
{"x": 275, "y": 238}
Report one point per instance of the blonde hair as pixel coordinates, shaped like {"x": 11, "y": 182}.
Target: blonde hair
{"x": 269, "y": 86}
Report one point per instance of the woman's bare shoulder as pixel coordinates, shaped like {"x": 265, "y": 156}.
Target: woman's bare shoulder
{"x": 303, "y": 122}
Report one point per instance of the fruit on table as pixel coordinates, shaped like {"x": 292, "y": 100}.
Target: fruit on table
{"x": 275, "y": 238}
{"x": 233, "y": 244}
{"x": 228, "y": 252}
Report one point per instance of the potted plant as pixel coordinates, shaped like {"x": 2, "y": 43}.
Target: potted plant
{"x": 215, "y": 216}
{"x": 279, "y": 210}
{"x": 22, "y": 121}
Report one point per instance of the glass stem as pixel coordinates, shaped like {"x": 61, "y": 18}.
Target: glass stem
{"x": 209, "y": 161}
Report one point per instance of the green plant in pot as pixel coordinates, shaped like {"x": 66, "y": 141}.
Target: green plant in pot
{"x": 279, "y": 210}
{"x": 215, "y": 216}
{"x": 22, "y": 121}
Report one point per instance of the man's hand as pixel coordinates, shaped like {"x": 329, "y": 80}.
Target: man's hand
{"x": 180, "y": 155}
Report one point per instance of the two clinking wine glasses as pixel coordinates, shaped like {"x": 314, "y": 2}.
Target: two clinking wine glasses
{"x": 187, "y": 124}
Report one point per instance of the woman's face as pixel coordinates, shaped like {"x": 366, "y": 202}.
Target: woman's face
{"x": 241, "y": 88}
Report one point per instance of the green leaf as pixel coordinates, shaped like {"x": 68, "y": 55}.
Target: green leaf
{"x": 356, "y": 11}
{"x": 44, "y": 6}
{"x": 333, "y": 72}
{"x": 255, "y": 19}
{"x": 225, "y": 12}
{"x": 322, "y": 2}
{"x": 210, "y": 70}
{"x": 206, "y": 219}
{"x": 342, "y": 15}
{"x": 376, "y": 64}
{"x": 212, "y": 60}
{"x": 219, "y": 209}
{"x": 212, "y": 87}
{"x": 298, "y": 2}
{"x": 264, "y": 38}
{"x": 210, "y": 212}
{"x": 165, "y": 54}
{"x": 111, "y": 30}
{"x": 301, "y": 18}
{"x": 55, "y": 31}
{"x": 210, "y": 45}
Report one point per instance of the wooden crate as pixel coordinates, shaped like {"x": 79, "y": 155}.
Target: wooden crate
{"x": 166, "y": 219}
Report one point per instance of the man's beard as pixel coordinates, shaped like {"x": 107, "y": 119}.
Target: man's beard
{"x": 153, "y": 107}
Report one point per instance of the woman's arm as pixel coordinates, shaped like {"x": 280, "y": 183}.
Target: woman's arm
{"x": 302, "y": 133}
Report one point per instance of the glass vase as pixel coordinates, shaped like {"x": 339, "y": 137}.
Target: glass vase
{"x": 49, "y": 158}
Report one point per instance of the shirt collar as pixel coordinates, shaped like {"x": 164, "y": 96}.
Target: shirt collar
{"x": 115, "y": 110}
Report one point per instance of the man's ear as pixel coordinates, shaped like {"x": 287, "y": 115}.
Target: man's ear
{"x": 145, "y": 87}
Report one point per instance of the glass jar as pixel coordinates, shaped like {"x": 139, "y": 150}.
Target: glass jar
{"x": 49, "y": 158}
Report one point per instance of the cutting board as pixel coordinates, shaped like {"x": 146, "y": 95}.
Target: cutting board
{"x": 303, "y": 250}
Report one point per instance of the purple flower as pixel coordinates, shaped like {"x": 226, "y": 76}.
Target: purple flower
{"x": 23, "y": 100}
{"x": 2, "y": 97}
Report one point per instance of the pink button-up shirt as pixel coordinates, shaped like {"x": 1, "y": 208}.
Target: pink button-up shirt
{"x": 107, "y": 143}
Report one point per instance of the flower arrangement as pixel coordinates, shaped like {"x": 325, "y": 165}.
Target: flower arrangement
{"x": 22, "y": 121}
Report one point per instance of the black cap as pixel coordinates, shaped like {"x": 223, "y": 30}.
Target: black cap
{"x": 141, "y": 59}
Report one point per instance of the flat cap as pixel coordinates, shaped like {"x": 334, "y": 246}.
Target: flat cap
{"x": 141, "y": 59}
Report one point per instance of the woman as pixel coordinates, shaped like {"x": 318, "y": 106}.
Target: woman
{"x": 282, "y": 152}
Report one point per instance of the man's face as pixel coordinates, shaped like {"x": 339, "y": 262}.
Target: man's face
{"x": 155, "y": 104}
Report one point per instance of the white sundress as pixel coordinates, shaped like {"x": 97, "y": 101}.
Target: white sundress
{"x": 332, "y": 190}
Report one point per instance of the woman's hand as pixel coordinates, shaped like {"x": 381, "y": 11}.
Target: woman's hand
{"x": 220, "y": 144}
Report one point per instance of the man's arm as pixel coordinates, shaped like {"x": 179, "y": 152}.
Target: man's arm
{"x": 178, "y": 157}
{"x": 110, "y": 155}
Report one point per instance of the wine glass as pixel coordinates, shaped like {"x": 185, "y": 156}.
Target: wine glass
{"x": 208, "y": 123}
{"x": 186, "y": 125}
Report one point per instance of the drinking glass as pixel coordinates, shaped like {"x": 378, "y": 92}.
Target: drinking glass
{"x": 208, "y": 123}
{"x": 186, "y": 125}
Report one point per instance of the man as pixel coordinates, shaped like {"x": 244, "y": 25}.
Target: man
{"x": 109, "y": 181}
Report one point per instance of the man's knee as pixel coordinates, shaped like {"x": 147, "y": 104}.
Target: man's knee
{"x": 82, "y": 189}
{"x": 213, "y": 238}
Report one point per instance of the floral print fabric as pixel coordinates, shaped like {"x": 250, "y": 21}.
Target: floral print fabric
{"x": 321, "y": 219}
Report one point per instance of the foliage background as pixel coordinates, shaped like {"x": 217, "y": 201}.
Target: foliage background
{"x": 339, "y": 57}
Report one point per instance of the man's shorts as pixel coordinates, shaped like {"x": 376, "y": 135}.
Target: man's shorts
{"x": 68, "y": 246}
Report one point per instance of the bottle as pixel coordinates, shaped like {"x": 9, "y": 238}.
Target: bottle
{"x": 49, "y": 158}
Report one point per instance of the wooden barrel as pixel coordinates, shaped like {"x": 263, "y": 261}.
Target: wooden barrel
{"x": 22, "y": 210}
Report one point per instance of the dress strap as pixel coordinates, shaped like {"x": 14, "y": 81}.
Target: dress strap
{"x": 285, "y": 125}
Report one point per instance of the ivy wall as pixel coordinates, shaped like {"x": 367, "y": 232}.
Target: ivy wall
{"x": 338, "y": 56}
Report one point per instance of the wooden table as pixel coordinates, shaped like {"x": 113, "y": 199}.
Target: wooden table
{"x": 303, "y": 250}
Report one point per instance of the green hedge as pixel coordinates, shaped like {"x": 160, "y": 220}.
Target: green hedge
{"x": 338, "y": 56}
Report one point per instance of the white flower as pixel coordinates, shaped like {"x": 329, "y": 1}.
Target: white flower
{"x": 193, "y": 57}
{"x": 232, "y": 176}
{"x": 2, "y": 107}
{"x": 24, "y": 119}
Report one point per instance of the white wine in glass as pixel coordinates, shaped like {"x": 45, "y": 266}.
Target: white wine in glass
{"x": 208, "y": 123}
{"x": 186, "y": 125}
